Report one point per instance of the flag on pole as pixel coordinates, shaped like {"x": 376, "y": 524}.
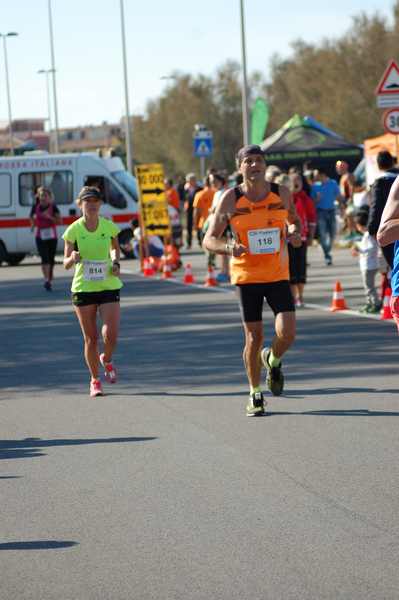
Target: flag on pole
{"x": 259, "y": 120}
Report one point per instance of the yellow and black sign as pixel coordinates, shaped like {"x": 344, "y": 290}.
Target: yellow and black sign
{"x": 153, "y": 203}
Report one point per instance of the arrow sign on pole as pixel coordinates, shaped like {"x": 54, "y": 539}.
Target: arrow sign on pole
{"x": 156, "y": 191}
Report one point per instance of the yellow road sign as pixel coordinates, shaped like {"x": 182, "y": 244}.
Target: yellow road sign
{"x": 153, "y": 203}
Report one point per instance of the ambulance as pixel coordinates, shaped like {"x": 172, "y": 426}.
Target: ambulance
{"x": 64, "y": 174}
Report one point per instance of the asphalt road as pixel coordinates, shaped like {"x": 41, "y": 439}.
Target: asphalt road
{"x": 163, "y": 489}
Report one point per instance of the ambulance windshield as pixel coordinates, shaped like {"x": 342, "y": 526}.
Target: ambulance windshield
{"x": 128, "y": 182}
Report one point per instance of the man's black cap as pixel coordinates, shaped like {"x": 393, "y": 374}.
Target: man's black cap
{"x": 89, "y": 191}
{"x": 247, "y": 151}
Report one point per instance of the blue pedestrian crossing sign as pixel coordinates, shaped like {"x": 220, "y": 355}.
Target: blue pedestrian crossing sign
{"x": 203, "y": 144}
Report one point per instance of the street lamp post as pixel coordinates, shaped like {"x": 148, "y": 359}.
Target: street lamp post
{"x": 244, "y": 94}
{"x": 4, "y": 36}
{"x": 52, "y": 70}
{"x": 47, "y": 72}
{"x": 128, "y": 140}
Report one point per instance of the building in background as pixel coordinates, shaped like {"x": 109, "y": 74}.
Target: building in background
{"x": 30, "y": 134}
{"x": 90, "y": 137}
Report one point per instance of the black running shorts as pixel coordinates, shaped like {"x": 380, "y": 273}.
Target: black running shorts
{"x": 89, "y": 298}
{"x": 277, "y": 294}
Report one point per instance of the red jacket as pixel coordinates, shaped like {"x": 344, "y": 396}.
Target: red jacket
{"x": 306, "y": 212}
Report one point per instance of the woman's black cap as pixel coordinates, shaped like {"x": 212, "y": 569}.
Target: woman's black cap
{"x": 89, "y": 191}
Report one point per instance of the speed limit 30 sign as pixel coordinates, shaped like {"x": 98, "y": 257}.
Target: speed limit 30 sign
{"x": 391, "y": 120}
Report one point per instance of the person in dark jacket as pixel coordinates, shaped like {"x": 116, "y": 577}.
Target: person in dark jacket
{"x": 191, "y": 188}
{"x": 379, "y": 193}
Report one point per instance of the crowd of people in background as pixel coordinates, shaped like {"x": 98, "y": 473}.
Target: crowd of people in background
{"x": 328, "y": 207}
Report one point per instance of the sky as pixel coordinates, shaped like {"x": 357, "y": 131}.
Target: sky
{"x": 162, "y": 36}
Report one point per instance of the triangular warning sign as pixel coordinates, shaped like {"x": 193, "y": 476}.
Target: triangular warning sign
{"x": 203, "y": 148}
{"x": 389, "y": 83}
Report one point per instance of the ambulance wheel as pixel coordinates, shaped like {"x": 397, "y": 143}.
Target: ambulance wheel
{"x": 3, "y": 253}
{"x": 126, "y": 242}
{"x": 15, "y": 258}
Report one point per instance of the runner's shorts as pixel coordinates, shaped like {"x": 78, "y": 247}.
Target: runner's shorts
{"x": 89, "y": 298}
{"x": 277, "y": 294}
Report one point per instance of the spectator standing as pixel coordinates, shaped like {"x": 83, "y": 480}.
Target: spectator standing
{"x": 325, "y": 193}
{"x": 298, "y": 255}
{"x": 202, "y": 205}
{"x": 191, "y": 188}
{"x": 44, "y": 218}
{"x": 347, "y": 188}
{"x": 219, "y": 183}
{"x": 346, "y": 181}
{"x": 180, "y": 187}
{"x": 309, "y": 179}
{"x": 379, "y": 193}
{"x": 272, "y": 172}
{"x": 177, "y": 229}
{"x": 367, "y": 251}
{"x": 172, "y": 195}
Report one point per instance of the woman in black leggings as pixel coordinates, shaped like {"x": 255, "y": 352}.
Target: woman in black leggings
{"x": 45, "y": 217}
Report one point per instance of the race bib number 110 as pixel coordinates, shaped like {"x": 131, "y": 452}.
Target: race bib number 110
{"x": 264, "y": 241}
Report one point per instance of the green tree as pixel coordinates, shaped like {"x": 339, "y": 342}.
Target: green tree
{"x": 165, "y": 133}
{"x": 335, "y": 80}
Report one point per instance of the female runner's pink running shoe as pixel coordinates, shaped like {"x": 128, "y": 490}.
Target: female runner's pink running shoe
{"x": 109, "y": 371}
{"x": 95, "y": 388}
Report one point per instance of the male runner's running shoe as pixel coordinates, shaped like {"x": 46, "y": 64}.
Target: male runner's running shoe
{"x": 95, "y": 388}
{"x": 109, "y": 371}
{"x": 274, "y": 377}
{"x": 256, "y": 405}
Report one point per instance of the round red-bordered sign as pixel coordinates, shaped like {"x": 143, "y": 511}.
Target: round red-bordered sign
{"x": 390, "y": 120}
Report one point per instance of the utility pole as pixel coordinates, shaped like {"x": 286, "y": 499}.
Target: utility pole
{"x": 128, "y": 141}
{"x": 56, "y": 127}
{"x": 244, "y": 93}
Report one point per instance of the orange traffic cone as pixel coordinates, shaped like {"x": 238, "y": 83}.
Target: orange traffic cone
{"x": 167, "y": 271}
{"x": 338, "y": 301}
{"x": 384, "y": 285}
{"x": 155, "y": 263}
{"x": 148, "y": 269}
{"x": 210, "y": 280}
{"x": 188, "y": 274}
{"x": 386, "y": 312}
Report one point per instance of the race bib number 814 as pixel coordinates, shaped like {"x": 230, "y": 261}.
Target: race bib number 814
{"x": 264, "y": 241}
{"x": 94, "y": 270}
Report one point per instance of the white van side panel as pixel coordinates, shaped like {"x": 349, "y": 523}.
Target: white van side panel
{"x": 7, "y": 209}
{"x": 16, "y": 195}
{"x": 59, "y": 175}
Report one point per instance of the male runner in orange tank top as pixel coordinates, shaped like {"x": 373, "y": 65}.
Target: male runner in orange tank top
{"x": 263, "y": 219}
